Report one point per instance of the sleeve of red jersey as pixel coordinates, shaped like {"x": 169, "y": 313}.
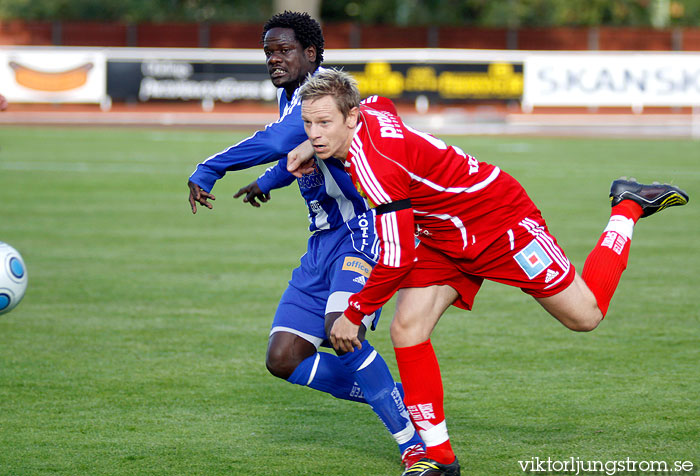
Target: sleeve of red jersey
{"x": 386, "y": 185}
{"x": 396, "y": 258}
{"x": 380, "y": 103}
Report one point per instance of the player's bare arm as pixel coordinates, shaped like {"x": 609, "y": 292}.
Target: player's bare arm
{"x": 252, "y": 193}
{"x": 300, "y": 160}
{"x": 344, "y": 335}
{"x": 197, "y": 195}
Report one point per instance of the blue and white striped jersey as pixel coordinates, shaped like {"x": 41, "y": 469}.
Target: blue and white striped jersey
{"x": 331, "y": 197}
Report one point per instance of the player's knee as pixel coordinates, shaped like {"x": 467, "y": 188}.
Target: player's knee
{"x": 285, "y": 351}
{"x": 582, "y": 326}
{"x": 585, "y": 323}
{"x": 407, "y": 332}
{"x": 397, "y": 328}
{"x": 279, "y": 364}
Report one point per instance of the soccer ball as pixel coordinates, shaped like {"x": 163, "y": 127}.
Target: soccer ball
{"x": 13, "y": 278}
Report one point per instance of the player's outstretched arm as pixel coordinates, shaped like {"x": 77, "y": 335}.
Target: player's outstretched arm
{"x": 252, "y": 193}
{"x": 197, "y": 195}
{"x": 300, "y": 160}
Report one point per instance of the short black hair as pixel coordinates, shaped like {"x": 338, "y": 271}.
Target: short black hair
{"x": 306, "y": 30}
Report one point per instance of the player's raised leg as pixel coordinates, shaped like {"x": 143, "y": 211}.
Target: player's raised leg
{"x": 417, "y": 312}
{"x": 585, "y": 302}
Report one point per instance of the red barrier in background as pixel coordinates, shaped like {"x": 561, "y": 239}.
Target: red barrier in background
{"x": 93, "y": 34}
{"x": 348, "y": 35}
{"x": 690, "y": 39}
{"x": 638, "y": 39}
{"x": 18, "y": 32}
{"x": 168, "y": 35}
{"x": 390, "y": 36}
{"x": 554, "y": 39}
{"x": 234, "y": 35}
{"x": 340, "y": 35}
{"x": 473, "y": 38}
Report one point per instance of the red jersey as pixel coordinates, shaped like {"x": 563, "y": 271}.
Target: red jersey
{"x": 458, "y": 204}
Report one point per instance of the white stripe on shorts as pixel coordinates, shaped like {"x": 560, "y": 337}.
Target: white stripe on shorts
{"x": 316, "y": 341}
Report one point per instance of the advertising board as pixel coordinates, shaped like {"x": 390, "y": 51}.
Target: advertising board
{"x": 631, "y": 79}
{"x": 53, "y": 75}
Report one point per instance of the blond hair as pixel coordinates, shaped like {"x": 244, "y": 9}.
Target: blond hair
{"x": 332, "y": 82}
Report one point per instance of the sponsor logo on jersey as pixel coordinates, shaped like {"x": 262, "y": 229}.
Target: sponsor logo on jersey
{"x": 422, "y": 231}
{"x": 388, "y": 125}
{"x": 551, "y": 274}
{"x": 533, "y": 259}
{"x": 363, "y": 223}
{"x": 312, "y": 180}
{"x": 360, "y": 280}
{"x": 358, "y": 265}
{"x": 315, "y": 206}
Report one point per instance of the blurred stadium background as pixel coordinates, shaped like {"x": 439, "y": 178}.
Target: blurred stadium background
{"x": 618, "y": 67}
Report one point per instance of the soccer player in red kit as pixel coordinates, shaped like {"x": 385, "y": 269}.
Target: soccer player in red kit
{"x": 473, "y": 222}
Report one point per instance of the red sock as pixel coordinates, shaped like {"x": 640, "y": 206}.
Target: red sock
{"x": 607, "y": 261}
{"x": 422, "y": 385}
{"x": 629, "y": 209}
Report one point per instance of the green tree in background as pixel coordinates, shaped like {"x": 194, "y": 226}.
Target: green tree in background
{"x": 514, "y": 13}
{"x": 137, "y": 10}
{"x": 488, "y": 13}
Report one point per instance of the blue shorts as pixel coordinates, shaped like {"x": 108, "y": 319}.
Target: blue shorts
{"x": 329, "y": 273}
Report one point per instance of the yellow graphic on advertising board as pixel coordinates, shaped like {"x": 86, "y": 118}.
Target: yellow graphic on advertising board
{"x": 499, "y": 81}
{"x": 378, "y": 78}
{"x": 421, "y": 78}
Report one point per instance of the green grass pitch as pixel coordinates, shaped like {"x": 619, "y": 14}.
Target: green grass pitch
{"x": 139, "y": 348}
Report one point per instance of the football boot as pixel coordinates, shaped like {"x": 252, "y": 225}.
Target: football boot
{"x": 412, "y": 454}
{"x": 429, "y": 467}
{"x": 652, "y": 198}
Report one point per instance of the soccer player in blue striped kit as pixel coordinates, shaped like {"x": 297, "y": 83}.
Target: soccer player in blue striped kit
{"x": 341, "y": 251}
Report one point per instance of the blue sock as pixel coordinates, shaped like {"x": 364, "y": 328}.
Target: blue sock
{"x": 377, "y": 384}
{"x": 399, "y": 386}
{"x": 324, "y": 371}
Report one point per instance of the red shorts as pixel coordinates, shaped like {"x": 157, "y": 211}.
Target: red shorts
{"x": 526, "y": 256}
